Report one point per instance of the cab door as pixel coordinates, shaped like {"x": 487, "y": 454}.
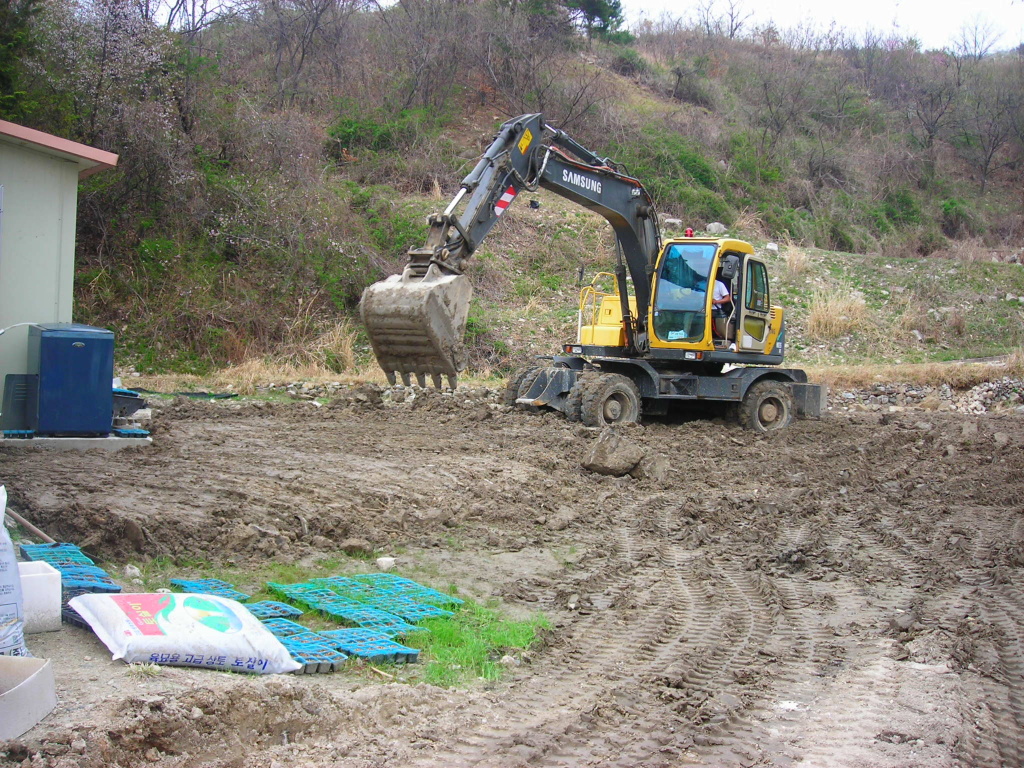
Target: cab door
{"x": 754, "y": 306}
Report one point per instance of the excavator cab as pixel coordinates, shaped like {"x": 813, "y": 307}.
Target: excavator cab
{"x": 683, "y": 315}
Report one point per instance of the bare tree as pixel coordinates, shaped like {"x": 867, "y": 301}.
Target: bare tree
{"x": 976, "y": 40}
{"x": 985, "y": 120}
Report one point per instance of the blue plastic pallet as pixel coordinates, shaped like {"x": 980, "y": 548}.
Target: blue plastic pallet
{"x": 89, "y": 583}
{"x": 78, "y": 569}
{"x": 400, "y": 586}
{"x": 334, "y": 601}
{"x": 59, "y": 552}
{"x": 301, "y": 593}
{"x": 306, "y": 637}
{"x": 380, "y": 651}
{"x": 271, "y": 609}
{"x": 316, "y": 659}
{"x": 351, "y": 635}
{"x": 283, "y": 627}
{"x": 432, "y": 596}
{"x": 210, "y": 587}
{"x": 386, "y": 579}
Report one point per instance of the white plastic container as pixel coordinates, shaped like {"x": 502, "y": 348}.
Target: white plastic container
{"x": 28, "y": 693}
{"x": 40, "y": 590}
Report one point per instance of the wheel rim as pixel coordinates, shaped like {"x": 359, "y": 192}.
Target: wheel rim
{"x": 770, "y": 412}
{"x": 613, "y": 408}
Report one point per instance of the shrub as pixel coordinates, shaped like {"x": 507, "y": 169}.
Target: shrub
{"x": 958, "y": 220}
{"x": 629, "y": 63}
{"x": 900, "y": 207}
{"x": 377, "y": 133}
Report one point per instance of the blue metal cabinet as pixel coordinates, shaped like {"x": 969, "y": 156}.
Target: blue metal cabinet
{"x": 75, "y": 365}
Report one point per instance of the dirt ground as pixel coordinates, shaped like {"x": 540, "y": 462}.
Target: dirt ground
{"x": 848, "y": 592}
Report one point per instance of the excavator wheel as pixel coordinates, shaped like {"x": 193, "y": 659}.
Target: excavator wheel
{"x": 574, "y": 402}
{"x": 610, "y": 398}
{"x": 766, "y": 407}
{"x": 526, "y": 375}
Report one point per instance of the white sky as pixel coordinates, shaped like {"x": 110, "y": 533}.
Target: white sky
{"x": 934, "y": 22}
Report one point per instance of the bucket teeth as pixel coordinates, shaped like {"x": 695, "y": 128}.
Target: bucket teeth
{"x": 436, "y": 378}
{"x": 406, "y": 379}
{"x": 421, "y": 379}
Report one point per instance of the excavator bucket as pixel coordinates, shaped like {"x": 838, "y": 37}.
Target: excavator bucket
{"x": 416, "y": 325}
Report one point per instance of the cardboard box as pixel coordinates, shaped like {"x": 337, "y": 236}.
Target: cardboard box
{"x": 40, "y": 593}
{"x": 27, "y": 694}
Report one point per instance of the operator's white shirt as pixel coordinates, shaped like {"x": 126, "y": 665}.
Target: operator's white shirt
{"x": 721, "y": 291}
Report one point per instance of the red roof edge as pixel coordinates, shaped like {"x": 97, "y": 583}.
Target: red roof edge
{"x": 90, "y": 159}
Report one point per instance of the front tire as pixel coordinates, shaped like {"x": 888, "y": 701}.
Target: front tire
{"x": 520, "y": 377}
{"x": 767, "y": 407}
{"x": 608, "y": 399}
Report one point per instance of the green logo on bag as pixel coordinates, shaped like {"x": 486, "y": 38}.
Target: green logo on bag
{"x": 210, "y": 614}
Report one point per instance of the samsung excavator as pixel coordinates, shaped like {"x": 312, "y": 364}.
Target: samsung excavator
{"x": 684, "y": 320}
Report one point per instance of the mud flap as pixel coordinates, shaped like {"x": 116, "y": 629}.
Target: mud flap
{"x": 550, "y": 388}
{"x": 416, "y": 325}
{"x": 809, "y": 400}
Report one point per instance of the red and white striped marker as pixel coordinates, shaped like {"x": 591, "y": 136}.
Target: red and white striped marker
{"x": 505, "y": 200}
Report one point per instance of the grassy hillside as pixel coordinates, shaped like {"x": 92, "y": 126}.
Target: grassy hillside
{"x": 276, "y": 159}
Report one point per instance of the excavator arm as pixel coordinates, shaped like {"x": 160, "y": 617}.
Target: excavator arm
{"x": 416, "y": 320}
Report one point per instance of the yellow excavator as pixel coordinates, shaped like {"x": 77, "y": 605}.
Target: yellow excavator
{"x": 689, "y": 319}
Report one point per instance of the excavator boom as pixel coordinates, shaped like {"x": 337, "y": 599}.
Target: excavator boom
{"x": 416, "y": 320}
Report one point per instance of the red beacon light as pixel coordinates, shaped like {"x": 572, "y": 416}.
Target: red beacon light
{"x": 688, "y": 232}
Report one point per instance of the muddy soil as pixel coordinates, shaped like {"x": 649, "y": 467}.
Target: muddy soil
{"x": 846, "y": 593}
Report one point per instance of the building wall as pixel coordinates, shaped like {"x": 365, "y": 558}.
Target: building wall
{"x": 37, "y": 246}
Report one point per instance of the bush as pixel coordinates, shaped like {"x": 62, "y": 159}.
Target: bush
{"x": 958, "y": 220}
{"x": 377, "y": 133}
{"x": 749, "y": 165}
{"x": 629, "y": 63}
{"x": 900, "y": 207}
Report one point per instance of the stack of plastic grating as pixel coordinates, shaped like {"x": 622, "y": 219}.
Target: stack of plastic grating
{"x": 79, "y": 575}
{"x": 271, "y": 609}
{"x": 371, "y": 646}
{"x": 209, "y": 587}
{"x": 363, "y": 643}
{"x": 380, "y": 605}
{"x": 342, "y": 608}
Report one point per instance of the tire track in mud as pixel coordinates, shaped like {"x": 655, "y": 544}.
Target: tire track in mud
{"x": 645, "y": 684}
{"x": 578, "y": 684}
{"x": 995, "y": 637}
{"x": 708, "y": 674}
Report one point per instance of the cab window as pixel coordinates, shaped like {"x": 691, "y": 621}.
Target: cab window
{"x": 680, "y": 298}
{"x": 756, "y": 295}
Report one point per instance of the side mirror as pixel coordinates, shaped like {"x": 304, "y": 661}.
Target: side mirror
{"x": 730, "y": 266}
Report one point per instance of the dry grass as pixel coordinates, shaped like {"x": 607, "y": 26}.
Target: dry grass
{"x": 955, "y": 374}
{"x": 836, "y": 312}
{"x": 967, "y": 250}
{"x": 797, "y": 262}
{"x": 750, "y": 224}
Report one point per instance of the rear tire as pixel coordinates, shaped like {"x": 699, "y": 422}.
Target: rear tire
{"x": 767, "y": 407}
{"x": 610, "y": 398}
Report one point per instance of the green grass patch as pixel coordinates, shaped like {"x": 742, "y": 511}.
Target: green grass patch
{"x": 469, "y": 646}
{"x": 459, "y": 650}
